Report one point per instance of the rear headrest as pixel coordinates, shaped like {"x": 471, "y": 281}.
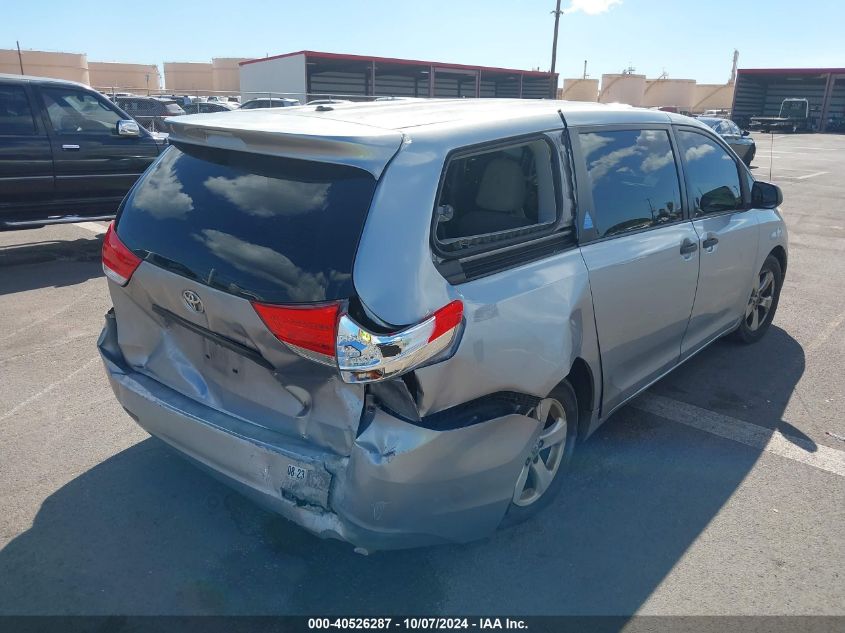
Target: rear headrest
{"x": 502, "y": 186}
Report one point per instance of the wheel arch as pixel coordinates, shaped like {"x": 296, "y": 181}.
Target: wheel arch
{"x": 582, "y": 380}
{"x": 779, "y": 252}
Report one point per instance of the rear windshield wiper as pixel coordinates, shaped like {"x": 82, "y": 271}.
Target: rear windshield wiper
{"x": 168, "y": 264}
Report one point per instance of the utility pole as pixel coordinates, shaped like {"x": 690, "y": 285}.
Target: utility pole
{"x": 553, "y": 84}
{"x": 732, "y": 80}
{"x": 20, "y": 57}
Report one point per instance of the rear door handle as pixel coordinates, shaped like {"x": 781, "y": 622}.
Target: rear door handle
{"x": 688, "y": 246}
{"x": 70, "y": 148}
{"x": 710, "y": 242}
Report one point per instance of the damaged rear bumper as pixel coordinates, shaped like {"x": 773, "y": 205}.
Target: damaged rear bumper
{"x": 400, "y": 486}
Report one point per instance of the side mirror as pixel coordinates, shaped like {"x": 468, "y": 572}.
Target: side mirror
{"x": 745, "y": 132}
{"x": 765, "y": 195}
{"x": 128, "y": 128}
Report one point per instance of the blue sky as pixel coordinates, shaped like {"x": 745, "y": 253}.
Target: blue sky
{"x": 686, "y": 39}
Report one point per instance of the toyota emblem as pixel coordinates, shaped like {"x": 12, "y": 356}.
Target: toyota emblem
{"x": 192, "y": 300}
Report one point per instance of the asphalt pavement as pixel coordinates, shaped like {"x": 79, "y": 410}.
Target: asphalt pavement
{"x": 719, "y": 491}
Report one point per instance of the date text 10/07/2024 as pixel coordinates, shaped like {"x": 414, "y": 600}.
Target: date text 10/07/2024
{"x": 418, "y": 623}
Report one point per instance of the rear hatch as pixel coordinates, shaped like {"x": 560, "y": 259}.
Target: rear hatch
{"x": 218, "y": 232}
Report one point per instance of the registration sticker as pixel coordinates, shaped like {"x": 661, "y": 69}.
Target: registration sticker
{"x": 296, "y": 472}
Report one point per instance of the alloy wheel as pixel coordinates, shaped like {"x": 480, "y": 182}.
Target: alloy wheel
{"x": 760, "y": 302}
{"x": 546, "y": 455}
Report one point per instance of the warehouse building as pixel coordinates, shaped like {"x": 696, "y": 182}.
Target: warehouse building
{"x": 69, "y": 66}
{"x": 135, "y": 77}
{"x": 760, "y": 92}
{"x": 308, "y": 75}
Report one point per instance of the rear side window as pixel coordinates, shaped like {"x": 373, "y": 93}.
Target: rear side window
{"x": 266, "y": 228}
{"x": 633, "y": 178}
{"x": 15, "y": 113}
{"x": 500, "y": 190}
{"x": 711, "y": 172}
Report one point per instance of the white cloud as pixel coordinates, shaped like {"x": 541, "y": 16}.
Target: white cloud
{"x": 698, "y": 151}
{"x": 592, "y": 7}
{"x": 160, "y": 194}
{"x": 265, "y": 197}
{"x": 266, "y": 263}
{"x": 600, "y": 167}
{"x": 593, "y": 142}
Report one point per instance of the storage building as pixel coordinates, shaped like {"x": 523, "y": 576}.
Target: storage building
{"x": 306, "y": 75}
{"x": 760, "y": 92}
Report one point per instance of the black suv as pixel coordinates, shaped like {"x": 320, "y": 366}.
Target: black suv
{"x": 66, "y": 152}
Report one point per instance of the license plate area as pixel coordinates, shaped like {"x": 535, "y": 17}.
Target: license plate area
{"x": 303, "y": 481}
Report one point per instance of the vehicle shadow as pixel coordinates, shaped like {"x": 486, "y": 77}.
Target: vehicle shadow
{"x": 79, "y": 249}
{"x": 145, "y": 533}
{"x": 49, "y": 264}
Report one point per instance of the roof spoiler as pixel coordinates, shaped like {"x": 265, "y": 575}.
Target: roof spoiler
{"x": 289, "y": 135}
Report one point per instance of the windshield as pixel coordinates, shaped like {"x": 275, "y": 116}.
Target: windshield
{"x": 277, "y": 230}
{"x": 793, "y": 108}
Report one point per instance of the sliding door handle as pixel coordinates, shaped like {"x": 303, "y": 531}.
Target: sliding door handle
{"x": 710, "y": 242}
{"x": 688, "y": 246}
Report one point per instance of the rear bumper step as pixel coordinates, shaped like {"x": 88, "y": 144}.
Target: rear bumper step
{"x": 401, "y": 486}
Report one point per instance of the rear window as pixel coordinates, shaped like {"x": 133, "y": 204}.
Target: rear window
{"x": 266, "y": 228}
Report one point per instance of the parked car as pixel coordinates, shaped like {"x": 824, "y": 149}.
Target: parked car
{"x": 327, "y": 101}
{"x": 391, "y": 98}
{"x": 739, "y": 140}
{"x": 150, "y": 112}
{"x": 395, "y": 330}
{"x": 66, "y": 152}
{"x": 210, "y": 106}
{"x": 275, "y": 102}
{"x": 719, "y": 113}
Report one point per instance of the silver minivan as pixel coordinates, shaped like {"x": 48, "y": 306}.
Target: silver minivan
{"x": 393, "y": 322}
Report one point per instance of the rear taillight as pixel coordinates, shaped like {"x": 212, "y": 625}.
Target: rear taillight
{"x": 118, "y": 261}
{"x": 308, "y": 330}
{"x": 363, "y": 356}
{"x": 322, "y": 333}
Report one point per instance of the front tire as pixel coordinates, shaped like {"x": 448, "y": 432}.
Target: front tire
{"x": 544, "y": 471}
{"x": 762, "y": 302}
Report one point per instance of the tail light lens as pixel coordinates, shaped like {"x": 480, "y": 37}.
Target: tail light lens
{"x": 118, "y": 261}
{"x": 307, "y": 330}
{"x": 366, "y": 357}
{"x": 323, "y": 334}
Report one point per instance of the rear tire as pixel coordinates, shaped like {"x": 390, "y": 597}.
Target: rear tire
{"x": 762, "y": 303}
{"x": 548, "y": 458}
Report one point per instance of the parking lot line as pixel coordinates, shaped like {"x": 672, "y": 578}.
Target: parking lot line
{"x": 818, "y": 173}
{"x": 94, "y": 227}
{"x": 797, "y": 449}
{"x": 49, "y": 388}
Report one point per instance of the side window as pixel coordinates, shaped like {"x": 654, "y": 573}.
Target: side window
{"x": 711, "y": 172}
{"x": 78, "y": 112}
{"x": 633, "y": 178}
{"x": 503, "y": 189}
{"x": 15, "y": 113}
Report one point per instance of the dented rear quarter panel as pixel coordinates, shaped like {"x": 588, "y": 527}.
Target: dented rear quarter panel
{"x": 525, "y": 326}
